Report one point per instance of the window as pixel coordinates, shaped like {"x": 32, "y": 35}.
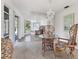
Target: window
{"x": 27, "y": 26}
{"x": 6, "y": 21}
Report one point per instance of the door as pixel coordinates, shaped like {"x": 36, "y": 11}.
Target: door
{"x": 16, "y": 27}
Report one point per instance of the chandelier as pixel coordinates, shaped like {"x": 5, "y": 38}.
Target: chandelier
{"x": 50, "y": 12}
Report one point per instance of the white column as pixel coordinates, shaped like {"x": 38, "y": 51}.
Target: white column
{"x": 20, "y": 27}
{"x": 11, "y": 25}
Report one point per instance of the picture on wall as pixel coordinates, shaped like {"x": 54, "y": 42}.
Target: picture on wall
{"x": 68, "y": 21}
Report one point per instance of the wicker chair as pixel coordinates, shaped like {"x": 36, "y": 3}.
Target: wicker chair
{"x": 47, "y": 41}
{"x": 70, "y": 44}
{"x": 6, "y": 48}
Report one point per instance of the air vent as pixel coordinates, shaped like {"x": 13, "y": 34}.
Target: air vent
{"x": 16, "y": 16}
{"x": 66, "y": 7}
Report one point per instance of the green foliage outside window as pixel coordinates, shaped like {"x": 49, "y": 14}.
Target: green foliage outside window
{"x": 27, "y": 26}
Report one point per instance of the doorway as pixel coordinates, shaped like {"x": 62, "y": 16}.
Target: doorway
{"x": 16, "y": 27}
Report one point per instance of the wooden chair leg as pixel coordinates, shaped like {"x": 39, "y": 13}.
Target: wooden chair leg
{"x": 43, "y": 48}
{"x": 71, "y": 52}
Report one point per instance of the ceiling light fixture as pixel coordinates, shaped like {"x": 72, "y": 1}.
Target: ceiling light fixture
{"x": 50, "y": 12}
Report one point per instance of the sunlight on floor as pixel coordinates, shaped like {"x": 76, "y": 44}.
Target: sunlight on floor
{"x": 28, "y": 38}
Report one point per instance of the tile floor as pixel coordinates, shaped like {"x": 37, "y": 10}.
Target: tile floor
{"x": 31, "y": 48}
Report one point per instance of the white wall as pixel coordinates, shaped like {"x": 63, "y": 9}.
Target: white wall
{"x": 59, "y": 20}
{"x": 11, "y": 20}
{"x": 2, "y": 19}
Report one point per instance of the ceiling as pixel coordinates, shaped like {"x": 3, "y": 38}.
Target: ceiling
{"x": 40, "y": 6}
